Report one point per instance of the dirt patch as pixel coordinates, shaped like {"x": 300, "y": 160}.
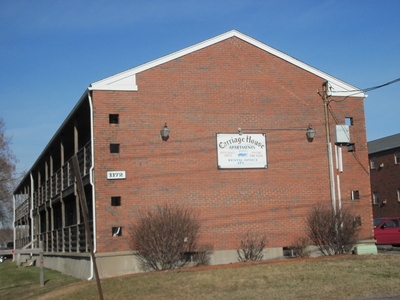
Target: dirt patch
{"x": 70, "y": 288}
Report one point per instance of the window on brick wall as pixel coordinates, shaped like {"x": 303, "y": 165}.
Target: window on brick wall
{"x": 116, "y": 231}
{"x": 349, "y": 121}
{"x": 398, "y": 194}
{"x": 375, "y": 198}
{"x": 113, "y": 118}
{"x": 114, "y": 148}
{"x": 355, "y": 195}
{"x": 372, "y": 162}
{"x": 397, "y": 158}
{"x": 116, "y": 201}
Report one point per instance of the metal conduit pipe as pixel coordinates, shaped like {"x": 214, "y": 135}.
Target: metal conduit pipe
{"x": 92, "y": 183}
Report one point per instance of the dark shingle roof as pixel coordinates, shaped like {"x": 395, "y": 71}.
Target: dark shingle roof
{"x": 386, "y": 143}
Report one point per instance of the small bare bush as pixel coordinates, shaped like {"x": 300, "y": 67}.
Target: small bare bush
{"x": 299, "y": 247}
{"x": 251, "y": 247}
{"x": 161, "y": 237}
{"x": 332, "y": 232}
{"x": 202, "y": 255}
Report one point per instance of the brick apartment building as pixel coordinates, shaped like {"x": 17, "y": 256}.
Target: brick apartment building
{"x": 263, "y": 177}
{"x": 384, "y": 157}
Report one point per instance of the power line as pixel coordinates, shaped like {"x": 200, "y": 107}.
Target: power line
{"x": 382, "y": 85}
{"x": 368, "y": 89}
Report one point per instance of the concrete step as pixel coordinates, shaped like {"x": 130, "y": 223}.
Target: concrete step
{"x": 29, "y": 263}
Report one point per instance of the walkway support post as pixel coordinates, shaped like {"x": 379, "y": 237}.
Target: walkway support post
{"x": 41, "y": 263}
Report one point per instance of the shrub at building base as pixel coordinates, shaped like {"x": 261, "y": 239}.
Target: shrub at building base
{"x": 333, "y": 232}
{"x": 251, "y": 247}
{"x": 163, "y": 237}
{"x": 300, "y": 247}
{"x": 202, "y": 255}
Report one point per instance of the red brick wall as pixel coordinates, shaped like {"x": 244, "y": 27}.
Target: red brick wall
{"x": 386, "y": 180}
{"x": 218, "y": 89}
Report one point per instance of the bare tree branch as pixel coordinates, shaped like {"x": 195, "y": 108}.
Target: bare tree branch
{"x": 7, "y": 181}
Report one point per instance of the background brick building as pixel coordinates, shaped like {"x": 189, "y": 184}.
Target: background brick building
{"x": 217, "y": 86}
{"x": 384, "y": 157}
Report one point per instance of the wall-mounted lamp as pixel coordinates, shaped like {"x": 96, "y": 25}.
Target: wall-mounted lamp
{"x": 383, "y": 204}
{"x": 164, "y": 133}
{"x": 310, "y": 133}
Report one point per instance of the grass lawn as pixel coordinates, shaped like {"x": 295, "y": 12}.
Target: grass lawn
{"x": 344, "y": 277}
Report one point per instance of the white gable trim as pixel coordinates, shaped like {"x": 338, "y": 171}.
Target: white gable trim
{"x": 126, "y": 81}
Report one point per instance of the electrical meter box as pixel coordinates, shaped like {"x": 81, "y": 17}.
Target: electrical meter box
{"x": 342, "y": 134}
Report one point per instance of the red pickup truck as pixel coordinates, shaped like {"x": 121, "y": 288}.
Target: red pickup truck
{"x": 387, "y": 231}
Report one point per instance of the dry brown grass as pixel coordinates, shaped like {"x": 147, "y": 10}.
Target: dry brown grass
{"x": 343, "y": 277}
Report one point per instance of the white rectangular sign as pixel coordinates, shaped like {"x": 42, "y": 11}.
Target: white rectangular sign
{"x": 241, "y": 151}
{"x": 116, "y": 175}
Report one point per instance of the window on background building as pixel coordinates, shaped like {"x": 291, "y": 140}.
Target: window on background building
{"x": 113, "y": 118}
{"x": 375, "y": 198}
{"x": 355, "y": 195}
{"x": 398, "y": 194}
{"x": 397, "y": 158}
{"x": 372, "y": 162}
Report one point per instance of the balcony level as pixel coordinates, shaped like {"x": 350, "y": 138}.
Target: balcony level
{"x": 50, "y": 219}
{"x": 62, "y": 181}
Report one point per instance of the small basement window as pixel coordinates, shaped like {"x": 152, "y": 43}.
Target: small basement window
{"x": 114, "y": 148}
{"x": 355, "y": 195}
{"x": 116, "y": 231}
{"x": 113, "y": 118}
{"x": 116, "y": 201}
{"x": 357, "y": 221}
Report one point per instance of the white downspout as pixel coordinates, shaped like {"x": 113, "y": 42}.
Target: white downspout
{"x": 339, "y": 159}
{"x": 92, "y": 183}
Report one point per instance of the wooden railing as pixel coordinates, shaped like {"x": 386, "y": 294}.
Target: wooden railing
{"x": 21, "y": 242}
{"x": 23, "y": 209}
{"x": 63, "y": 178}
{"x": 71, "y": 239}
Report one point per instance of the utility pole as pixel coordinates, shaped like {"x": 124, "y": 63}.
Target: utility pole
{"x": 329, "y": 146}
{"x": 82, "y": 199}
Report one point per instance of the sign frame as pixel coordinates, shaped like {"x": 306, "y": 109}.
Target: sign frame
{"x": 241, "y": 151}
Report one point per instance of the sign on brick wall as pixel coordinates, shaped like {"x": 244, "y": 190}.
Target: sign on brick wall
{"x": 241, "y": 151}
{"x": 112, "y": 175}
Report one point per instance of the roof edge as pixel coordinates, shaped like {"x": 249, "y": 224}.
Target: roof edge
{"x": 126, "y": 80}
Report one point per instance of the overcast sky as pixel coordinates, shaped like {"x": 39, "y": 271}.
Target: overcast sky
{"x": 51, "y": 51}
